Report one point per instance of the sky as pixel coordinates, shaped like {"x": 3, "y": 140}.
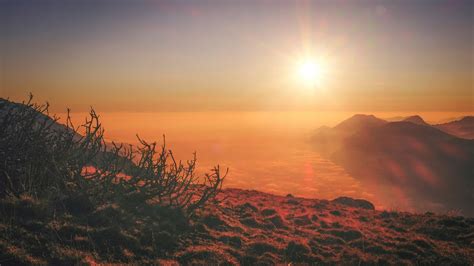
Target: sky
{"x": 150, "y": 56}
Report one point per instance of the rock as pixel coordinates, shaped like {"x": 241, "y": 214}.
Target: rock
{"x": 277, "y": 221}
{"x": 358, "y": 203}
{"x": 268, "y": 212}
{"x": 292, "y": 201}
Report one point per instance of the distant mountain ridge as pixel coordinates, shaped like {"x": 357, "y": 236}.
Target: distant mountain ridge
{"x": 330, "y": 139}
{"x": 416, "y": 119}
{"x": 434, "y": 169}
{"x": 360, "y": 120}
{"x": 463, "y": 128}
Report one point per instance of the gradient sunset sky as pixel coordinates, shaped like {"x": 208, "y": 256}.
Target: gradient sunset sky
{"x": 395, "y": 55}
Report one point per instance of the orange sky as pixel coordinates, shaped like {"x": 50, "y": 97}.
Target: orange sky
{"x": 146, "y": 56}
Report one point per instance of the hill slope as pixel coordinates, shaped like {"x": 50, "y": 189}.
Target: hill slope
{"x": 249, "y": 227}
{"x": 7, "y": 106}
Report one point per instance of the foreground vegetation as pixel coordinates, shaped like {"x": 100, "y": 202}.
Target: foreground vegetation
{"x": 245, "y": 227}
{"x": 65, "y": 184}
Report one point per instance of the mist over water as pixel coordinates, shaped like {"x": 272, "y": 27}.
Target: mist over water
{"x": 266, "y": 151}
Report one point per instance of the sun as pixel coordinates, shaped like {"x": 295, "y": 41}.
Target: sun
{"x": 310, "y": 72}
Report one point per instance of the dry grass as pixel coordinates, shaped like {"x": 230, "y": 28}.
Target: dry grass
{"x": 245, "y": 227}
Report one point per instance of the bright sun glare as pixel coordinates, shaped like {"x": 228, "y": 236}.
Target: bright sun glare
{"x": 310, "y": 72}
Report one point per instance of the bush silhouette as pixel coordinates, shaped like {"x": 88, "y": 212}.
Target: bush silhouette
{"x": 76, "y": 167}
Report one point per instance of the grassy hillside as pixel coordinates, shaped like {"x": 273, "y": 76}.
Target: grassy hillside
{"x": 246, "y": 227}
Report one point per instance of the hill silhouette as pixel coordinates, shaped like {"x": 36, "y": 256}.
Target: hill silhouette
{"x": 329, "y": 140}
{"x": 416, "y": 119}
{"x": 358, "y": 122}
{"x": 432, "y": 169}
{"x": 7, "y": 107}
{"x": 463, "y": 128}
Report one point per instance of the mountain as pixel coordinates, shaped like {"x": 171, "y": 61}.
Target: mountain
{"x": 422, "y": 165}
{"x": 463, "y": 128}
{"x": 416, "y": 119}
{"x": 448, "y": 119}
{"x": 394, "y": 118}
{"x": 358, "y": 122}
{"x": 327, "y": 140}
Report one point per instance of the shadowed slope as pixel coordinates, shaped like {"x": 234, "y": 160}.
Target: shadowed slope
{"x": 408, "y": 164}
{"x": 463, "y": 128}
{"x": 433, "y": 168}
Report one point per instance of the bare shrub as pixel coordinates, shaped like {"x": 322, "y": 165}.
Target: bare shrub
{"x": 42, "y": 158}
